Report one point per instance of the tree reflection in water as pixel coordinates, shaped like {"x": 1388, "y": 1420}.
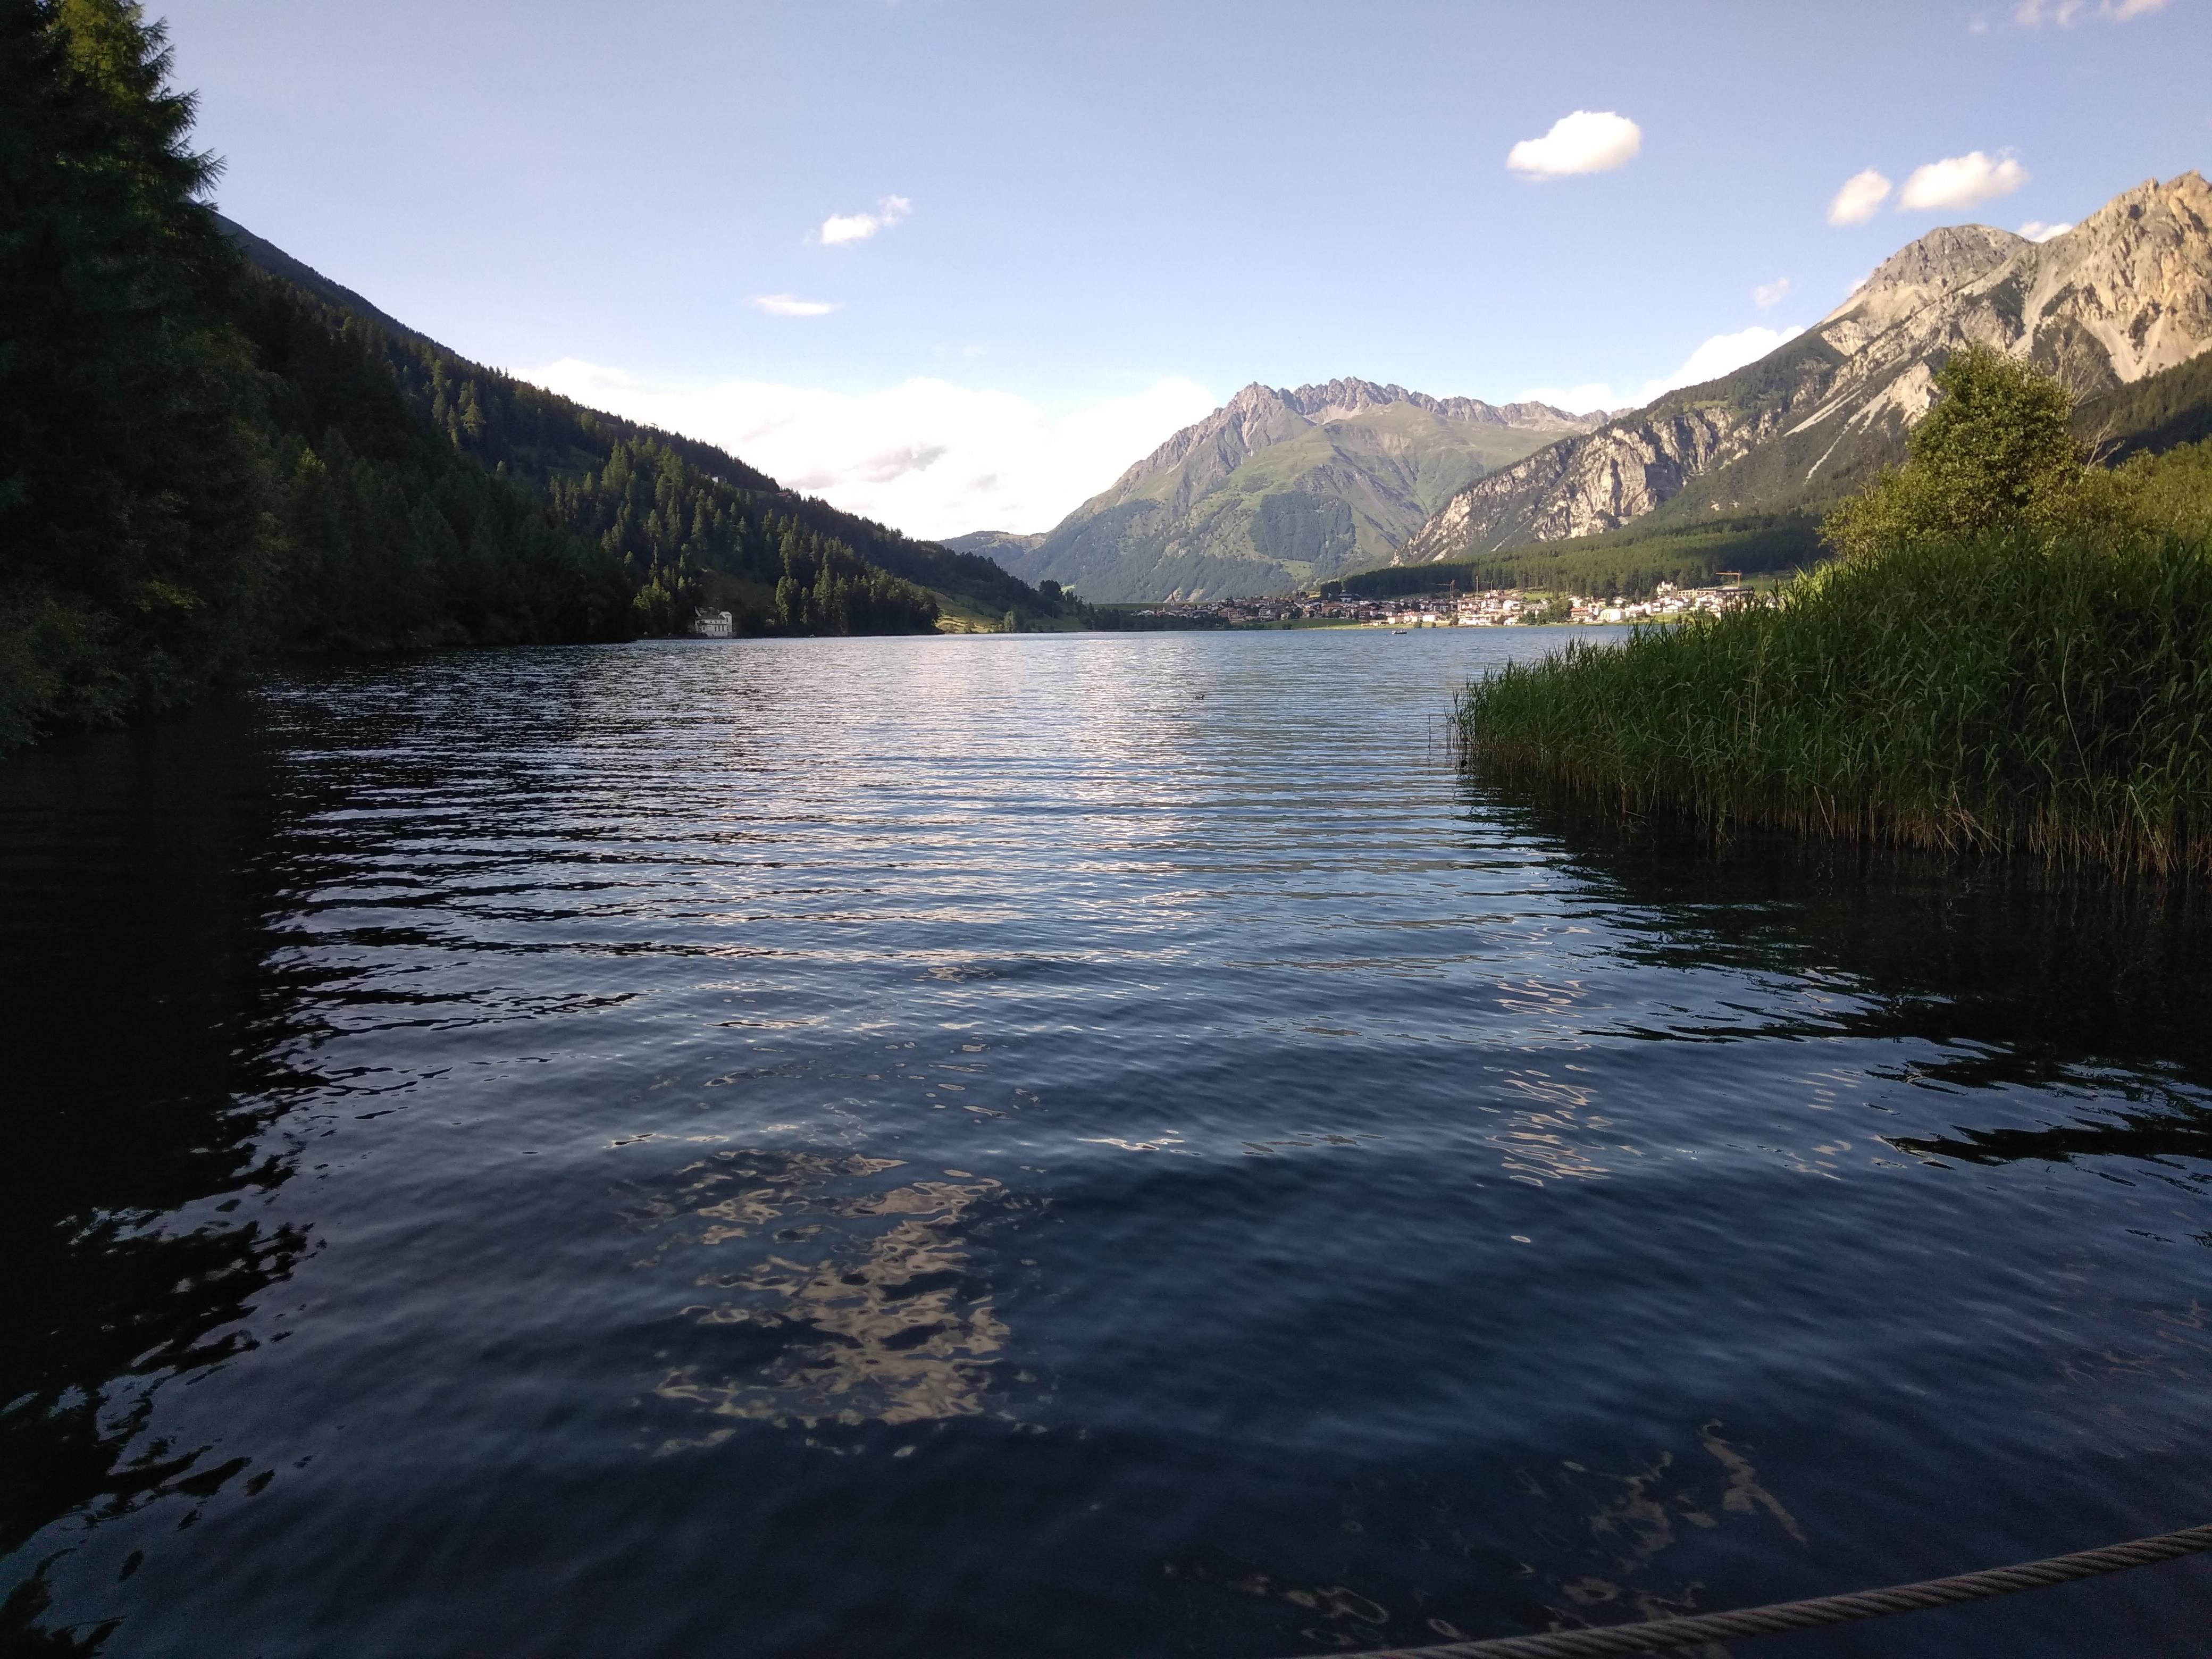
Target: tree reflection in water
{"x": 141, "y": 1086}
{"x": 2019, "y": 980}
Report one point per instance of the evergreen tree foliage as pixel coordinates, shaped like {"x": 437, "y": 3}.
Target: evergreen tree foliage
{"x": 388, "y": 536}
{"x": 678, "y": 521}
{"x": 671, "y": 525}
{"x": 201, "y": 460}
{"x": 134, "y": 534}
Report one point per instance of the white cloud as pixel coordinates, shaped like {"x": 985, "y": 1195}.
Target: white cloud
{"x": 1587, "y": 141}
{"x": 1859, "y": 199}
{"x": 2036, "y": 231}
{"x": 1713, "y": 358}
{"x": 929, "y": 457}
{"x": 840, "y": 228}
{"x": 790, "y": 305}
{"x": 2064, "y": 14}
{"x": 1767, "y": 295}
{"x": 1960, "y": 181}
{"x": 1720, "y": 353}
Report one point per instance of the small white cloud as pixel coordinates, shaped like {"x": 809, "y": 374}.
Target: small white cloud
{"x": 1587, "y": 141}
{"x": 896, "y": 463}
{"x": 1767, "y": 295}
{"x": 1859, "y": 199}
{"x": 932, "y": 458}
{"x": 1960, "y": 181}
{"x": 2036, "y": 231}
{"x": 849, "y": 228}
{"x": 1859, "y": 285}
{"x": 840, "y": 228}
{"x": 790, "y": 305}
{"x": 2064, "y": 14}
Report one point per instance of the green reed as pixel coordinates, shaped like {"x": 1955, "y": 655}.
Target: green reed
{"x": 2002, "y": 698}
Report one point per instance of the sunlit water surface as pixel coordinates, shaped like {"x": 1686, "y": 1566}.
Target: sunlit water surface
{"x": 1091, "y": 1146}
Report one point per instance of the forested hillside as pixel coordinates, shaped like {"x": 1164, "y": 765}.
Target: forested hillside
{"x": 2166, "y": 409}
{"x": 1629, "y": 563}
{"x": 425, "y": 500}
{"x": 204, "y": 460}
{"x": 702, "y": 510}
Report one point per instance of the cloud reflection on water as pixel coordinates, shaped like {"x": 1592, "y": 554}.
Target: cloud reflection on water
{"x": 857, "y": 1304}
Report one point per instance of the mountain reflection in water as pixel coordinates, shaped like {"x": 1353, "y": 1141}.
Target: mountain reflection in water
{"x": 1088, "y": 1146}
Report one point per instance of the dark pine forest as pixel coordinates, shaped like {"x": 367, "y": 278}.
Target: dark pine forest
{"x": 212, "y": 455}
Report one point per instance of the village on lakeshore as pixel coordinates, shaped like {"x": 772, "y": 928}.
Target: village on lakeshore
{"x": 1498, "y": 607}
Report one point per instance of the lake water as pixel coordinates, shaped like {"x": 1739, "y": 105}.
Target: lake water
{"x": 1051, "y": 1145}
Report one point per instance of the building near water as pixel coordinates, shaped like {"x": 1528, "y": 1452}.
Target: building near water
{"x": 713, "y": 624}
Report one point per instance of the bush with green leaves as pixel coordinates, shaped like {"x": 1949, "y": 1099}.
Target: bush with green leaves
{"x": 1994, "y": 455}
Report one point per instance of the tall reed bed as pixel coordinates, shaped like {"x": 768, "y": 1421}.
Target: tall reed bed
{"x": 2001, "y": 697}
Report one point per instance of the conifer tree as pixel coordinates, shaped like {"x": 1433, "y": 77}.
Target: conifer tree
{"x": 133, "y": 538}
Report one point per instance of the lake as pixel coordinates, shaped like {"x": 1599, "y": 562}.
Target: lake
{"x": 1088, "y": 1145}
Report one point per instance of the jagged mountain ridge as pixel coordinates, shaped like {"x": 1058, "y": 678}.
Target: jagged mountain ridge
{"x": 2124, "y": 295}
{"x": 1276, "y": 488}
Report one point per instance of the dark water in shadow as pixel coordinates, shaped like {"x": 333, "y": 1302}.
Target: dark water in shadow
{"x": 1087, "y": 1146}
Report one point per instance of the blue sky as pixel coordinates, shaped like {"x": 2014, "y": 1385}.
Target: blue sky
{"x": 1091, "y": 222}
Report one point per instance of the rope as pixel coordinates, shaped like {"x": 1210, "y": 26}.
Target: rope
{"x": 1660, "y": 1634}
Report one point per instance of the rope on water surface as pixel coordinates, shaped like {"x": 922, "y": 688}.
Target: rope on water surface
{"x": 1660, "y": 1634}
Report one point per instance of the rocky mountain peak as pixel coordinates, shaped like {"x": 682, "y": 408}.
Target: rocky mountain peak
{"x": 1940, "y": 263}
{"x": 2136, "y": 276}
{"x": 1259, "y": 416}
{"x": 2124, "y": 295}
{"x": 1345, "y": 399}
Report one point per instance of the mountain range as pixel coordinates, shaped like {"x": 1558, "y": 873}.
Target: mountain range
{"x": 2121, "y": 300}
{"x": 1278, "y": 489}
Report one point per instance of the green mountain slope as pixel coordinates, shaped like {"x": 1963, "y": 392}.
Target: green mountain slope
{"x": 686, "y": 520}
{"x": 1278, "y": 488}
{"x": 2159, "y": 413}
{"x": 1630, "y": 563}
